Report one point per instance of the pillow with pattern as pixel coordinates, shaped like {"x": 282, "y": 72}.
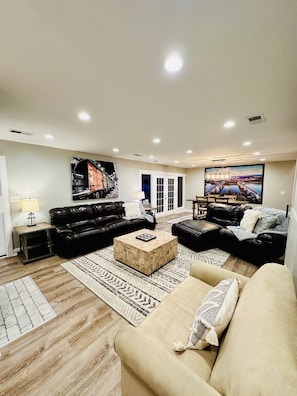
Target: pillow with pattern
{"x": 212, "y": 317}
{"x": 250, "y": 219}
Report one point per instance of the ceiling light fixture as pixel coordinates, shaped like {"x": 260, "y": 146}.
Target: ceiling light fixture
{"x": 189, "y": 151}
{"x": 217, "y": 174}
{"x": 49, "y": 137}
{"x": 173, "y": 63}
{"x": 263, "y": 159}
{"x": 229, "y": 124}
{"x": 156, "y": 140}
{"x": 83, "y": 116}
{"x": 257, "y": 153}
{"x": 247, "y": 143}
{"x": 115, "y": 150}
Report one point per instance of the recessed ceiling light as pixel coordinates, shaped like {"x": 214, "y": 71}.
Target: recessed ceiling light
{"x": 115, "y": 150}
{"x": 173, "y": 63}
{"x": 156, "y": 140}
{"x": 263, "y": 159}
{"x": 229, "y": 124}
{"x": 84, "y": 116}
{"x": 257, "y": 153}
{"x": 176, "y": 162}
{"x": 151, "y": 157}
{"x": 247, "y": 143}
{"x": 189, "y": 151}
{"x": 49, "y": 137}
{"x": 193, "y": 165}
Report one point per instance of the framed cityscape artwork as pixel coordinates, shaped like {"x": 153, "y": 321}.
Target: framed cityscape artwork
{"x": 242, "y": 182}
{"x": 93, "y": 179}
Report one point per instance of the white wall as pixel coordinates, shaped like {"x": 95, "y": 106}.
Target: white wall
{"x": 277, "y": 188}
{"x": 45, "y": 173}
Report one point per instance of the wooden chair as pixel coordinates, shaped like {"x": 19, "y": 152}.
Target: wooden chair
{"x": 222, "y": 200}
{"x": 202, "y": 202}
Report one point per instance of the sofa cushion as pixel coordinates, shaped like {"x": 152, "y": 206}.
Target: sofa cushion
{"x": 105, "y": 209}
{"x": 213, "y": 316}
{"x": 224, "y": 214}
{"x": 132, "y": 209}
{"x": 258, "y": 353}
{"x": 264, "y": 223}
{"x": 172, "y": 320}
{"x": 249, "y": 219}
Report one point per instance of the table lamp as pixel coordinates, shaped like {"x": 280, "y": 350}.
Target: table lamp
{"x": 30, "y": 205}
{"x": 140, "y": 195}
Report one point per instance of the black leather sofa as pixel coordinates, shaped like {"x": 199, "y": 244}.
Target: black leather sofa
{"x": 269, "y": 245}
{"x": 83, "y": 228}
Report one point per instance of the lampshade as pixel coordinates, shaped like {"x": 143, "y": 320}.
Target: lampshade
{"x": 30, "y": 205}
{"x": 140, "y": 195}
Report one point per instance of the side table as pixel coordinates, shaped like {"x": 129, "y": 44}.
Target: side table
{"x": 35, "y": 242}
{"x": 150, "y": 209}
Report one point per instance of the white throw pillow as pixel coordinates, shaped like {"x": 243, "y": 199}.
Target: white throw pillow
{"x": 132, "y": 209}
{"x": 212, "y": 317}
{"x": 250, "y": 219}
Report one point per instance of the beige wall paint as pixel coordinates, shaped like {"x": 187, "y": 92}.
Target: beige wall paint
{"x": 44, "y": 173}
{"x": 277, "y": 189}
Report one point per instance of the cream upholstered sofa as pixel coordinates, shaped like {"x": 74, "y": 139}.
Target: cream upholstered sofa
{"x": 257, "y": 354}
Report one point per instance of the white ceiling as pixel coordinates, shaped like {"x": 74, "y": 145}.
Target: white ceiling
{"x": 59, "y": 57}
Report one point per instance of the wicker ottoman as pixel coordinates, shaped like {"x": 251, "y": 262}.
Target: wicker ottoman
{"x": 197, "y": 234}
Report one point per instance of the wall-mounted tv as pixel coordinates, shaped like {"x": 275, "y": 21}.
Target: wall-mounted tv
{"x": 243, "y": 182}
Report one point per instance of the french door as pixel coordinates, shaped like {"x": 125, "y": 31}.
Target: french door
{"x": 165, "y": 194}
{"x": 163, "y": 191}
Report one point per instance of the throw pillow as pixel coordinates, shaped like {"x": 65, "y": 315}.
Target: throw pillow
{"x": 212, "y": 317}
{"x": 132, "y": 209}
{"x": 250, "y": 219}
{"x": 264, "y": 223}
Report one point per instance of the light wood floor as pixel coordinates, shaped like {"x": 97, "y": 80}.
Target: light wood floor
{"x": 72, "y": 354}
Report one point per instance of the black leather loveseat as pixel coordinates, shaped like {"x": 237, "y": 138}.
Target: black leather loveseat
{"x": 221, "y": 228}
{"x": 84, "y": 228}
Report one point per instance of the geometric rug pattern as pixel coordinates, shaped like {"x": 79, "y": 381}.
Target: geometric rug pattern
{"x": 22, "y": 308}
{"x": 129, "y": 292}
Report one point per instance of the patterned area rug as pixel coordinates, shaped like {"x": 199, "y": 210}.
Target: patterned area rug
{"x": 22, "y": 308}
{"x": 129, "y": 292}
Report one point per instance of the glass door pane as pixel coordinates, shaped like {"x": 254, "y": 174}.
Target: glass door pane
{"x": 160, "y": 194}
{"x": 170, "y": 194}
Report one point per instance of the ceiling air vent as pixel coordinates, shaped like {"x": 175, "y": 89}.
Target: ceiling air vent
{"x": 138, "y": 155}
{"x": 21, "y": 132}
{"x": 256, "y": 119}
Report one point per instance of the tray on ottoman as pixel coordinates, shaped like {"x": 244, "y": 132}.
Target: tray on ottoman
{"x": 145, "y": 256}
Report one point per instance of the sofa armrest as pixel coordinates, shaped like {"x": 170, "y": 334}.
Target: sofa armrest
{"x": 161, "y": 371}
{"x": 271, "y": 237}
{"x": 212, "y": 275}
